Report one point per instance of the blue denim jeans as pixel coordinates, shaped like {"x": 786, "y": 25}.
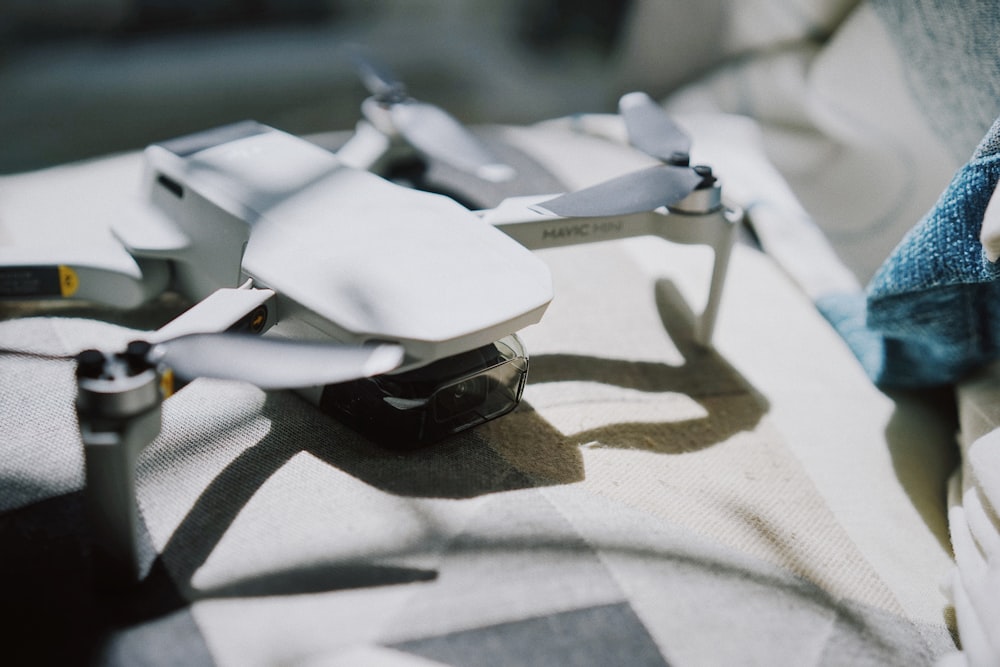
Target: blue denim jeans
{"x": 931, "y": 313}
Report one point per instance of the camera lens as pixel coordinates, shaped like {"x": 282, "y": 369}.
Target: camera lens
{"x": 461, "y": 397}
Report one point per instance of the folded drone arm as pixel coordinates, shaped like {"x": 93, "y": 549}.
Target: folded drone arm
{"x": 228, "y": 309}
{"x": 118, "y": 419}
{"x": 366, "y": 147}
{"x": 120, "y": 416}
{"x": 111, "y": 278}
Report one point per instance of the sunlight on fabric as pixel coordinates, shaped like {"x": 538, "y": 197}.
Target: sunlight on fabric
{"x": 575, "y": 407}
{"x": 330, "y": 532}
{"x": 205, "y": 428}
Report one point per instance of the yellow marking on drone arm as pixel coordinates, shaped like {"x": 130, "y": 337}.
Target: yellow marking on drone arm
{"x": 69, "y": 281}
{"x": 167, "y": 383}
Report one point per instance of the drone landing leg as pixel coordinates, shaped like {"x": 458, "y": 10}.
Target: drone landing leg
{"x": 724, "y": 235}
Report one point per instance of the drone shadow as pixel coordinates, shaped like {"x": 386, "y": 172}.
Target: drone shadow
{"x": 461, "y": 467}
{"x": 519, "y": 451}
{"x": 731, "y": 404}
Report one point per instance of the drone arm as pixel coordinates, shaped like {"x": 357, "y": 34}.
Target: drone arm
{"x": 522, "y": 220}
{"x": 536, "y": 229}
{"x": 715, "y": 228}
{"x": 34, "y": 274}
{"x": 365, "y": 147}
{"x": 244, "y": 309}
{"x": 119, "y": 415}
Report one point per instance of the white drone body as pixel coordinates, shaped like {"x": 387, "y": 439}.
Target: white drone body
{"x": 349, "y": 256}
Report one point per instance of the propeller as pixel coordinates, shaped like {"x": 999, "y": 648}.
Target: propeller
{"x": 272, "y": 363}
{"x": 639, "y": 191}
{"x": 652, "y": 131}
{"x": 428, "y": 128}
{"x": 269, "y": 363}
{"x": 379, "y": 81}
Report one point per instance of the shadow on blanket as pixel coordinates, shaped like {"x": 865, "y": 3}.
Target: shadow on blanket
{"x": 730, "y": 403}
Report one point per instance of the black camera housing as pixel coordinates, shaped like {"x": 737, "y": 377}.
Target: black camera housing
{"x": 418, "y": 407}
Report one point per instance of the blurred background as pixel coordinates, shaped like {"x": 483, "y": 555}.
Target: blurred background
{"x": 80, "y": 78}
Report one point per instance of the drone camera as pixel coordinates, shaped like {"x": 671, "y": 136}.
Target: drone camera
{"x": 427, "y": 404}
{"x": 461, "y": 397}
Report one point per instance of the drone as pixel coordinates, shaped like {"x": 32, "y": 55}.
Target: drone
{"x": 392, "y": 309}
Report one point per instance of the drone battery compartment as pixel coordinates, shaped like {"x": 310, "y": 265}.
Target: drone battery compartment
{"x": 422, "y": 406}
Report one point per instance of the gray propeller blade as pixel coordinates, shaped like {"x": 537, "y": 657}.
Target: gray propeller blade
{"x": 272, "y": 363}
{"x": 435, "y": 132}
{"x": 430, "y": 129}
{"x": 378, "y": 80}
{"x": 652, "y": 131}
{"x": 639, "y": 191}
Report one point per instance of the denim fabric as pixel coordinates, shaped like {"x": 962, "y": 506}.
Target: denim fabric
{"x": 932, "y": 311}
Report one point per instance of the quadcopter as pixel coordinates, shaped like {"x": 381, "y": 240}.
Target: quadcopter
{"x": 392, "y": 309}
